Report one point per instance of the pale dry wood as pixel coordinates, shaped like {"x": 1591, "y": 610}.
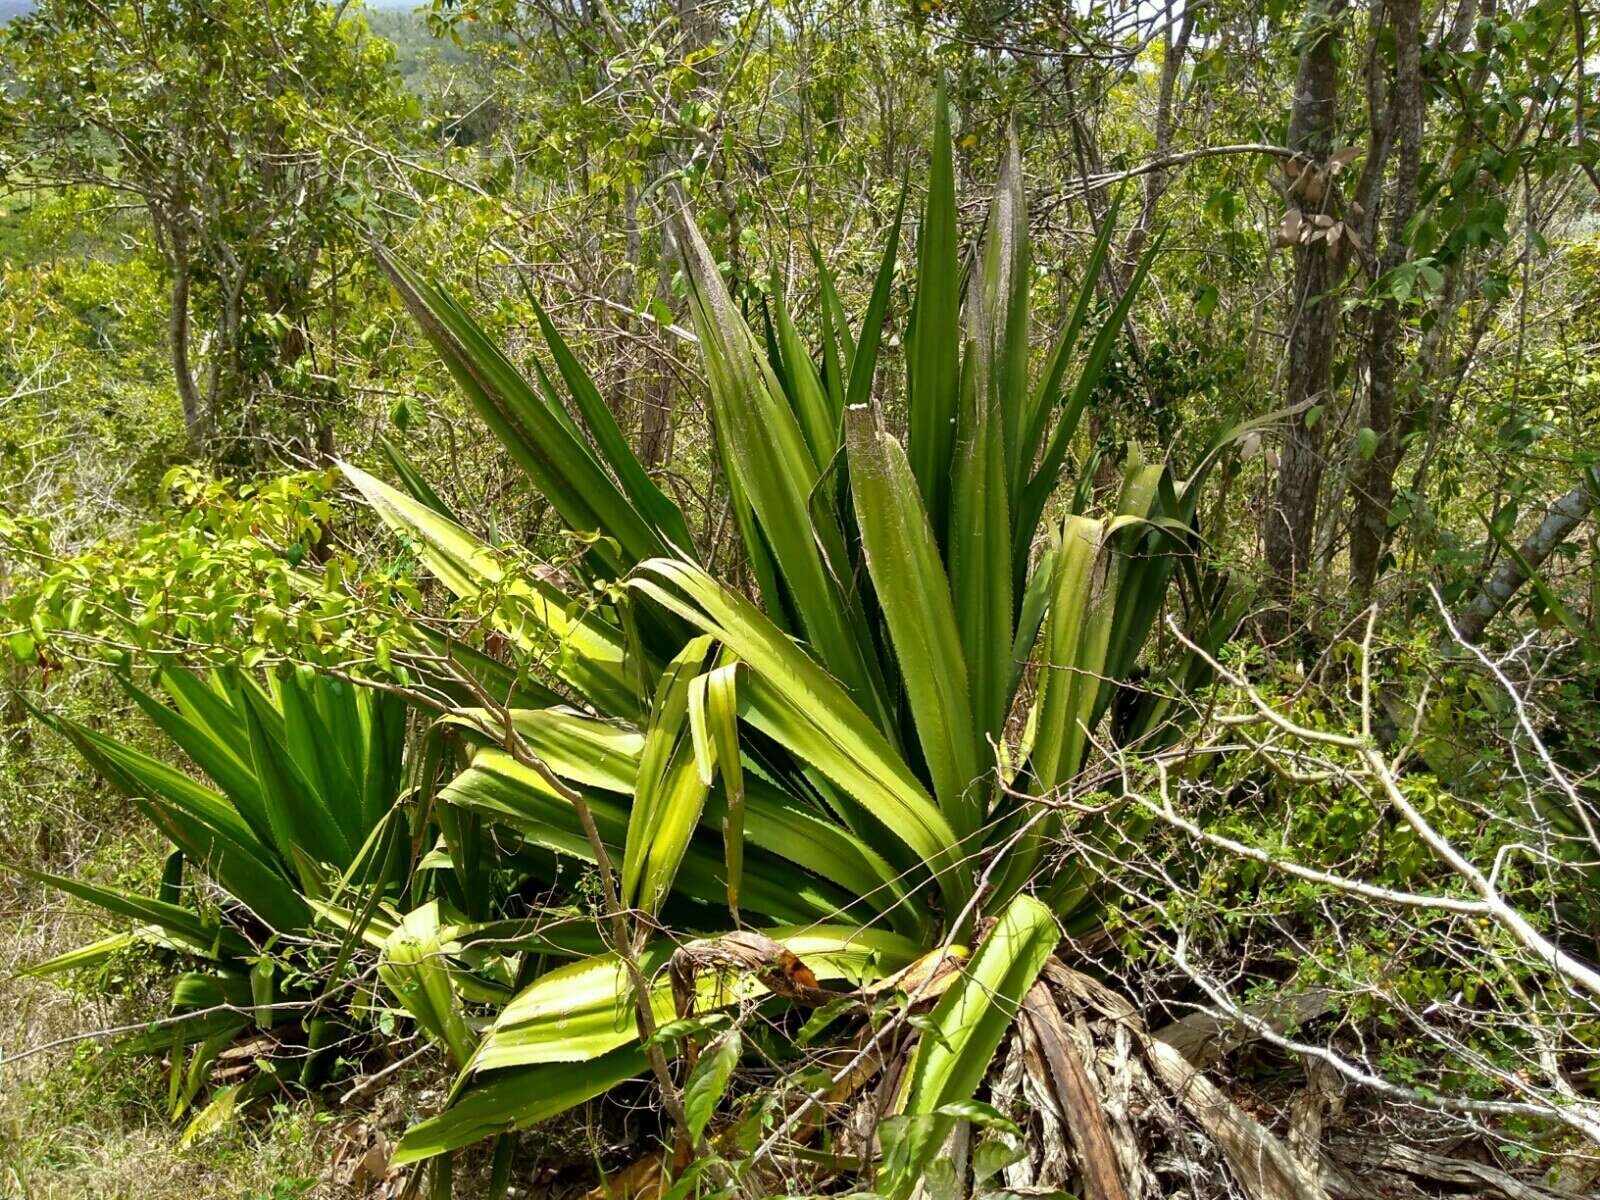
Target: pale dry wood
{"x": 1260, "y": 1163}
{"x": 1079, "y": 1098}
{"x": 1438, "y": 1168}
{"x": 1205, "y": 1037}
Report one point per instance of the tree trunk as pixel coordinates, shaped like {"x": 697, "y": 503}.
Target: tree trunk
{"x": 655, "y": 414}
{"x": 1374, "y": 484}
{"x": 1155, "y": 183}
{"x": 1291, "y": 518}
{"x": 1564, "y": 516}
{"x": 194, "y": 414}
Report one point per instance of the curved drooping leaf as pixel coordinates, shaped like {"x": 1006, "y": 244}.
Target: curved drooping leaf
{"x": 204, "y": 824}
{"x": 584, "y": 1010}
{"x": 792, "y": 699}
{"x": 516, "y": 1099}
{"x": 584, "y": 750}
{"x": 577, "y": 647}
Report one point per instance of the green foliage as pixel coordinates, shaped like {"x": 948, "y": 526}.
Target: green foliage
{"x": 808, "y": 653}
{"x": 307, "y": 773}
{"x": 189, "y": 112}
{"x": 823, "y": 756}
{"x": 226, "y": 574}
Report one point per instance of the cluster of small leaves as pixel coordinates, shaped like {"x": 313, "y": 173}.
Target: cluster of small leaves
{"x": 240, "y": 573}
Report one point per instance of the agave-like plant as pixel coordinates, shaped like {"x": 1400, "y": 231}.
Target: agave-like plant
{"x": 307, "y": 771}
{"x": 853, "y": 760}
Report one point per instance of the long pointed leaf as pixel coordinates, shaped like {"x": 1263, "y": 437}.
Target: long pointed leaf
{"x": 935, "y": 341}
{"x": 670, "y": 793}
{"x": 766, "y": 449}
{"x": 903, "y": 559}
{"x": 580, "y": 649}
{"x": 1007, "y": 290}
{"x": 563, "y": 468}
{"x": 980, "y": 526}
{"x": 647, "y": 498}
{"x": 1030, "y": 505}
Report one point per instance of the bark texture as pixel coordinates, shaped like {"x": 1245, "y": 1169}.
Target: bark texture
{"x": 1291, "y": 518}
{"x": 1564, "y": 516}
{"x": 1374, "y": 482}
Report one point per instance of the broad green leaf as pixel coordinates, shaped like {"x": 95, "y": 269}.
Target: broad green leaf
{"x": 325, "y": 735}
{"x": 217, "y": 748}
{"x": 224, "y": 1105}
{"x": 903, "y": 559}
{"x": 838, "y": 348}
{"x": 972, "y": 1018}
{"x": 864, "y": 367}
{"x": 1035, "y": 603}
{"x": 985, "y": 1115}
{"x": 202, "y": 823}
{"x": 1031, "y": 501}
{"x": 420, "y": 489}
{"x": 303, "y": 829}
{"x": 708, "y": 1082}
{"x": 1146, "y": 545}
{"x": 1044, "y": 397}
{"x": 195, "y": 934}
{"x": 498, "y": 785}
{"x": 580, "y": 749}
{"x": 94, "y": 953}
{"x": 1074, "y": 648}
{"x": 465, "y": 670}
{"x": 813, "y": 406}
